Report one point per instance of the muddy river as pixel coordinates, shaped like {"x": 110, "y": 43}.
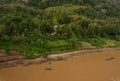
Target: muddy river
{"x": 100, "y": 66}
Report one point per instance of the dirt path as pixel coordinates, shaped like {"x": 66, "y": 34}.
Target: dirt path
{"x": 99, "y": 66}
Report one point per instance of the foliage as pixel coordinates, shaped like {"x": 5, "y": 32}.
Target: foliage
{"x": 42, "y": 27}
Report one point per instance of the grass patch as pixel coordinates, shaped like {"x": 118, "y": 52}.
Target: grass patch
{"x": 97, "y": 42}
{"x": 34, "y": 51}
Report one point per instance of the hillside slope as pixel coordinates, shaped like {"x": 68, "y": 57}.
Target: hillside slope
{"x": 43, "y": 27}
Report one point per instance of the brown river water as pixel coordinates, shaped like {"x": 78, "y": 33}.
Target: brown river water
{"x": 99, "y": 66}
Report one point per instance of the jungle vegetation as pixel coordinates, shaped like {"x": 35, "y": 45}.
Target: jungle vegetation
{"x": 42, "y": 27}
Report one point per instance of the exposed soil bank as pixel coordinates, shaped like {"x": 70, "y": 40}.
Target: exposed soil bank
{"x": 15, "y": 58}
{"x": 93, "y": 66}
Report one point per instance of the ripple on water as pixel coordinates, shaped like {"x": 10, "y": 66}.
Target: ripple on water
{"x": 115, "y": 78}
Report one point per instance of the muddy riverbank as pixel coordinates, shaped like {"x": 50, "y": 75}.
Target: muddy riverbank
{"x": 97, "y": 65}
{"x": 16, "y": 58}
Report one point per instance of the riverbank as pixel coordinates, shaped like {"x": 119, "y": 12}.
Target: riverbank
{"x": 93, "y": 66}
{"x": 15, "y": 58}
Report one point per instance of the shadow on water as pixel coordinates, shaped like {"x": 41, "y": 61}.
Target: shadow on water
{"x": 48, "y": 69}
{"x": 109, "y": 59}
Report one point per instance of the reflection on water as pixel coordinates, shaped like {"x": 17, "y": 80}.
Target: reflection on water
{"x": 101, "y": 66}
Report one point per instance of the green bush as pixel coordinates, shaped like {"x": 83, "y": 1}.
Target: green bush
{"x": 97, "y": 42}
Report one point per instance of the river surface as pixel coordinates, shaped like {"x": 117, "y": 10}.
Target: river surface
{"x": 100, "y": 66}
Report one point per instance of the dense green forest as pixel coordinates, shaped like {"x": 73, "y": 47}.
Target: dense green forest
{"x": 42, "y": 27}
